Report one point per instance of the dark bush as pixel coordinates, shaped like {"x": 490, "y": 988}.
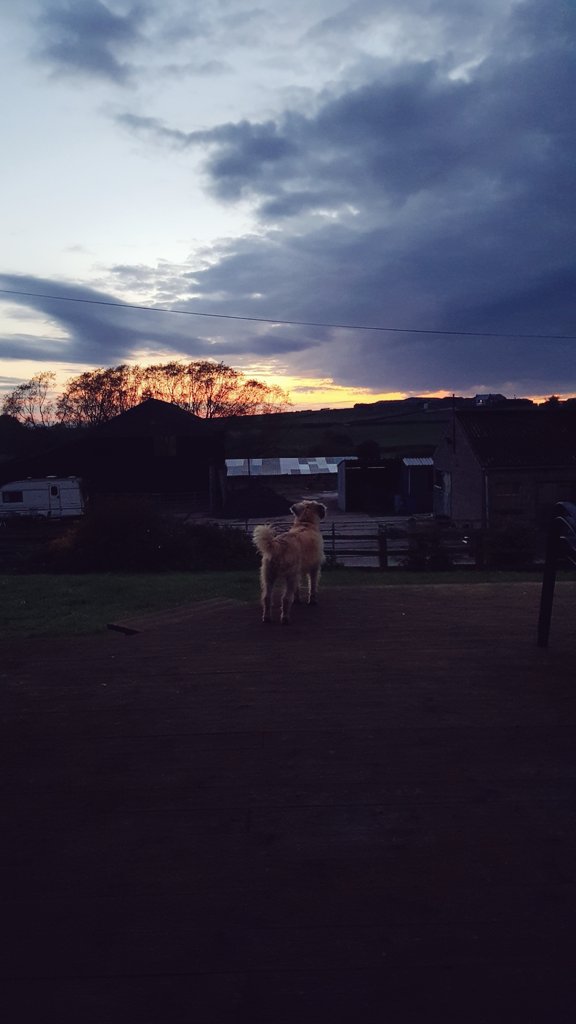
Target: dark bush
{"x": 331, "y": 562}
{"x": 255, "y": 500}
{"x": 511, "y": 547}
{"x": 425, "y": 550}
{"x": 131, "y": 535}
{"x": 209, "y": 546}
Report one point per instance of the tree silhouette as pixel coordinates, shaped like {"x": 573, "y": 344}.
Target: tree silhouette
{"x": 204, "y": 388}
{"x": 31, "y": 402}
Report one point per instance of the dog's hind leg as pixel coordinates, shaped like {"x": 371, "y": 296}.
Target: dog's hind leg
{"x": 288, "y": 596}
{"x": 314, "y": 580}
{"x": 267, "y": 578}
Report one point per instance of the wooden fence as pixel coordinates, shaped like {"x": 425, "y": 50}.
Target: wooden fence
{"x": 363, "y": 542}
{"x": 392, "y": 545}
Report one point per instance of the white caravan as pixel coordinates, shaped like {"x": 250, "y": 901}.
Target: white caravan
{"x": 48, "y": 497}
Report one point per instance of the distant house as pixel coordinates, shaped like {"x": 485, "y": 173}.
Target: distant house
{"x": 498, "y": 466}
{"x": 155, "y": 448}
{"x": 489, "y": 399}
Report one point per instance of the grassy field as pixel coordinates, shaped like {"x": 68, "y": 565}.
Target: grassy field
{"x": 44, "y": 605}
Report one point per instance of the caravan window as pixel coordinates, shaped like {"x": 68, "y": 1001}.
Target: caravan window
{"x": 12, "y": 497}
{"x": 54, "y": 491}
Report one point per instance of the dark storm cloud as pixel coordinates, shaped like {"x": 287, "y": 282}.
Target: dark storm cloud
{"x": 88, "y": 38}
{"x": 95, "y": 39}
{"x": 453, "y": 207}
{"x": 365, "y": 278}
{"x": 246, "y": 155}
{"x": 95, "y": 332}
{"x": 458, "y": 20}
{"x": 431, "y": 188}
{"x": 100, "y": 329}
{"x": 274, "y": 344}
{"x": 413, "y": 131}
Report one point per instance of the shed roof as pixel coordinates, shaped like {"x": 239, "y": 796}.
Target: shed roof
{"x": 522, "y": 437}
{"x": 285, "y": 466}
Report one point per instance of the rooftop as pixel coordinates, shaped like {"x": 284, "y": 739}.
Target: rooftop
{"x": 285, "y": 466}
{"x": 533, "y": 436}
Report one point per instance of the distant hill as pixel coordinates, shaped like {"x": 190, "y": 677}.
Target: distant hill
{"x": 411, "y": 426}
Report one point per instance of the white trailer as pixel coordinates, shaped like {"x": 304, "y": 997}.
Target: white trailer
{"x": 47, "y": 497}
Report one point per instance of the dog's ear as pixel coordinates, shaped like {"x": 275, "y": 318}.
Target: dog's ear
{"x": 320, "y": 509}
{"x": 297, "y": 509}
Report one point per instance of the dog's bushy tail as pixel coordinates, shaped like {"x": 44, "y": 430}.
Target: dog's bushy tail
{"x": 264, "y": 539}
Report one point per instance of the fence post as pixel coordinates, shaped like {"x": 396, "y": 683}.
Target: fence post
{"x": 479, "y": 545}
{"x": 382, "y": 547}
{"x": 548, "y": 583}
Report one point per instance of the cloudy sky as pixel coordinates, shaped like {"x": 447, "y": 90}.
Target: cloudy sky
{"x": 311, "y": 169}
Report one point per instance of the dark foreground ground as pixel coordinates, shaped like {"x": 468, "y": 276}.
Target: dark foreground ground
{"x": 368, "y": 816}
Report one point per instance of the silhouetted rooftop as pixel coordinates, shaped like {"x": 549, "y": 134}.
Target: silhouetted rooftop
{"x": 152, "y": 417}
{"x": 536, "y": 436}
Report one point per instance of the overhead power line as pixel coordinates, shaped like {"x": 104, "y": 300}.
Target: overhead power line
{"x": 288, "y": 323}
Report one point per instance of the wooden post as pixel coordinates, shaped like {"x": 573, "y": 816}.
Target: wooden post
{"x": 548, "y": 583}
{"x": 479, "y": 548}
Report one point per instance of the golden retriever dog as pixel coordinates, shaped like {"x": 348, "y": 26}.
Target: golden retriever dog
{"x": 287, "y": 557}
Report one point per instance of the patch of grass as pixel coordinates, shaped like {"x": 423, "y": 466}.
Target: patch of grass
{"x": 46, "y": 605}
{"x": 53, "y": 605}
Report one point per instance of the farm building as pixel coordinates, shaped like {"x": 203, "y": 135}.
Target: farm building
{"x": 266, "y": 486}
{"x": 398, "y": 485}
{"x": 154, "y": 448}
{"x": 394, "y": 485}
{"x": 498, "y": 467}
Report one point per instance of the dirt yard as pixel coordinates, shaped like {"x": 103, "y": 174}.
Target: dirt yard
{"x": 367, "y": 816}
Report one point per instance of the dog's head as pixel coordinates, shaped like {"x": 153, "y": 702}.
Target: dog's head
{"x": 308, "y": 511}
